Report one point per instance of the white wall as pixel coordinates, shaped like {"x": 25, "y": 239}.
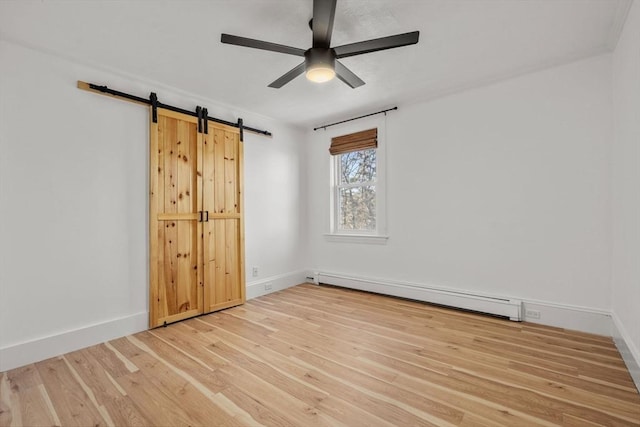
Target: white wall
{"x": 73, "y": 203}
{"x": 275, "y": 206}
{"x": 502, "y": 190}
{"x": 626, "y": 184}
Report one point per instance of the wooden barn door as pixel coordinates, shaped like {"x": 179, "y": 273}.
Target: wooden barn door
{"x": 223, "y": 233}
{"x": 175, "y": 203}
{"x": 196, "y": 218}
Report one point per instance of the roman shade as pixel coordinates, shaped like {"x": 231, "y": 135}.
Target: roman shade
{"x": 362, "y": 140}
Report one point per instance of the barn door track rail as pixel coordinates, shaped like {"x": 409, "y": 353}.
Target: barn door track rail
{"x": 201, "y": 113}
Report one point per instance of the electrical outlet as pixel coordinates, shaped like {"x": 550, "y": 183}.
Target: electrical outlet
{"x": 267, "y": 286}
{"x": 254, "y": 272}
{"x": 532, "y": 314}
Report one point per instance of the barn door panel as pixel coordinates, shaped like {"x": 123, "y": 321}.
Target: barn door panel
{"x": 223, "y": 233}
{"x": 176, "y": 285}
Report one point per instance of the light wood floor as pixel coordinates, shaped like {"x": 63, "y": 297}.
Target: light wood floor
{"x": 314, "y": 355}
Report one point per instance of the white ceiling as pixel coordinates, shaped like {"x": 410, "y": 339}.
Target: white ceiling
{"x": 463, "y": 44}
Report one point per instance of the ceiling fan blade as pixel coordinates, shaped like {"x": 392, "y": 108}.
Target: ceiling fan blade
{"x": 375, "y": 45}
{"x": 322, "y": 24}
{"x": 286, "y": 78}
{"x": 347, "y": 76}
{"x": 259, "y": 44}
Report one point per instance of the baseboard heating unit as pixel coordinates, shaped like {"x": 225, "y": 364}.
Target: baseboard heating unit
{"x": 511, "y": 308}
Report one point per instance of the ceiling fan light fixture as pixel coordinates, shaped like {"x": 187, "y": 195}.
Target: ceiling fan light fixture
{"x": 320, "y": 74}
{"x": 320, "y": 64}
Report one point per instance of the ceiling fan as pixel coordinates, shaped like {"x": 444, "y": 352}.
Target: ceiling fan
{"x": 321, "y": 60}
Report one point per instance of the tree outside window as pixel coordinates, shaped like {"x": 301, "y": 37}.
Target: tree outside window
{"x": 356, "y": 191}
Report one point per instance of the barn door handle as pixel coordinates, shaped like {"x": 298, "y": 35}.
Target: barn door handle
{"x": 203, "y": 216}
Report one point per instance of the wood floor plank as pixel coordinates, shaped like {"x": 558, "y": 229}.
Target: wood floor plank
{"x": 186, "y": 395}
{"x": 22, "y": 401}
{"x": 190, "y": 342}
{"x": 294, "y": 400}
{"x": 386, "y": 391}
{"x": 627, "y": 394}
{"x": 107, "y": 393}
{"x": 70, "y": 401}
{"x": 324, "y": 356}
{"x": 263, "y": 370}
{"x": 156, "y": 405}
{"x": 207, "y": 377}
{"x": 259, "y": 411}
{"x": 36, "y": 408}
{"x": 474, "y": 407}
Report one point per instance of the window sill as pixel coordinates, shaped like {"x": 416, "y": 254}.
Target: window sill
{"x": 357, "y": 238}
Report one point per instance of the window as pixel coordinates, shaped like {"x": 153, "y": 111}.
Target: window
{"x": 356, "y": 191}
{"x": 357, "y": 188}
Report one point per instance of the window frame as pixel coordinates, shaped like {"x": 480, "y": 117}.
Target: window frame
{"x": 377, "y": 236}
{"x": 337, "y": 186}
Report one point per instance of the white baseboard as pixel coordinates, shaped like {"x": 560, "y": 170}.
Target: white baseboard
{"x": 577, "y": 318}
{"x": 258, "y": 288}
{"x": 627, "y": 349}
{"x": 21, "y": 354}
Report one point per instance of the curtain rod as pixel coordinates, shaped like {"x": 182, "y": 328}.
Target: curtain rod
{"x": 104, "y": 90}
{"x": 355, "y": 118}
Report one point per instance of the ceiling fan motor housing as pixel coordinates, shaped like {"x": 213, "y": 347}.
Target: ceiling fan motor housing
{"x": 320, "y": 57}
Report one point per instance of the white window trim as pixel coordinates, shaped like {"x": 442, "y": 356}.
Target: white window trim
{"x": 357, "y": 238}
{"x": 379, "y": 235}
